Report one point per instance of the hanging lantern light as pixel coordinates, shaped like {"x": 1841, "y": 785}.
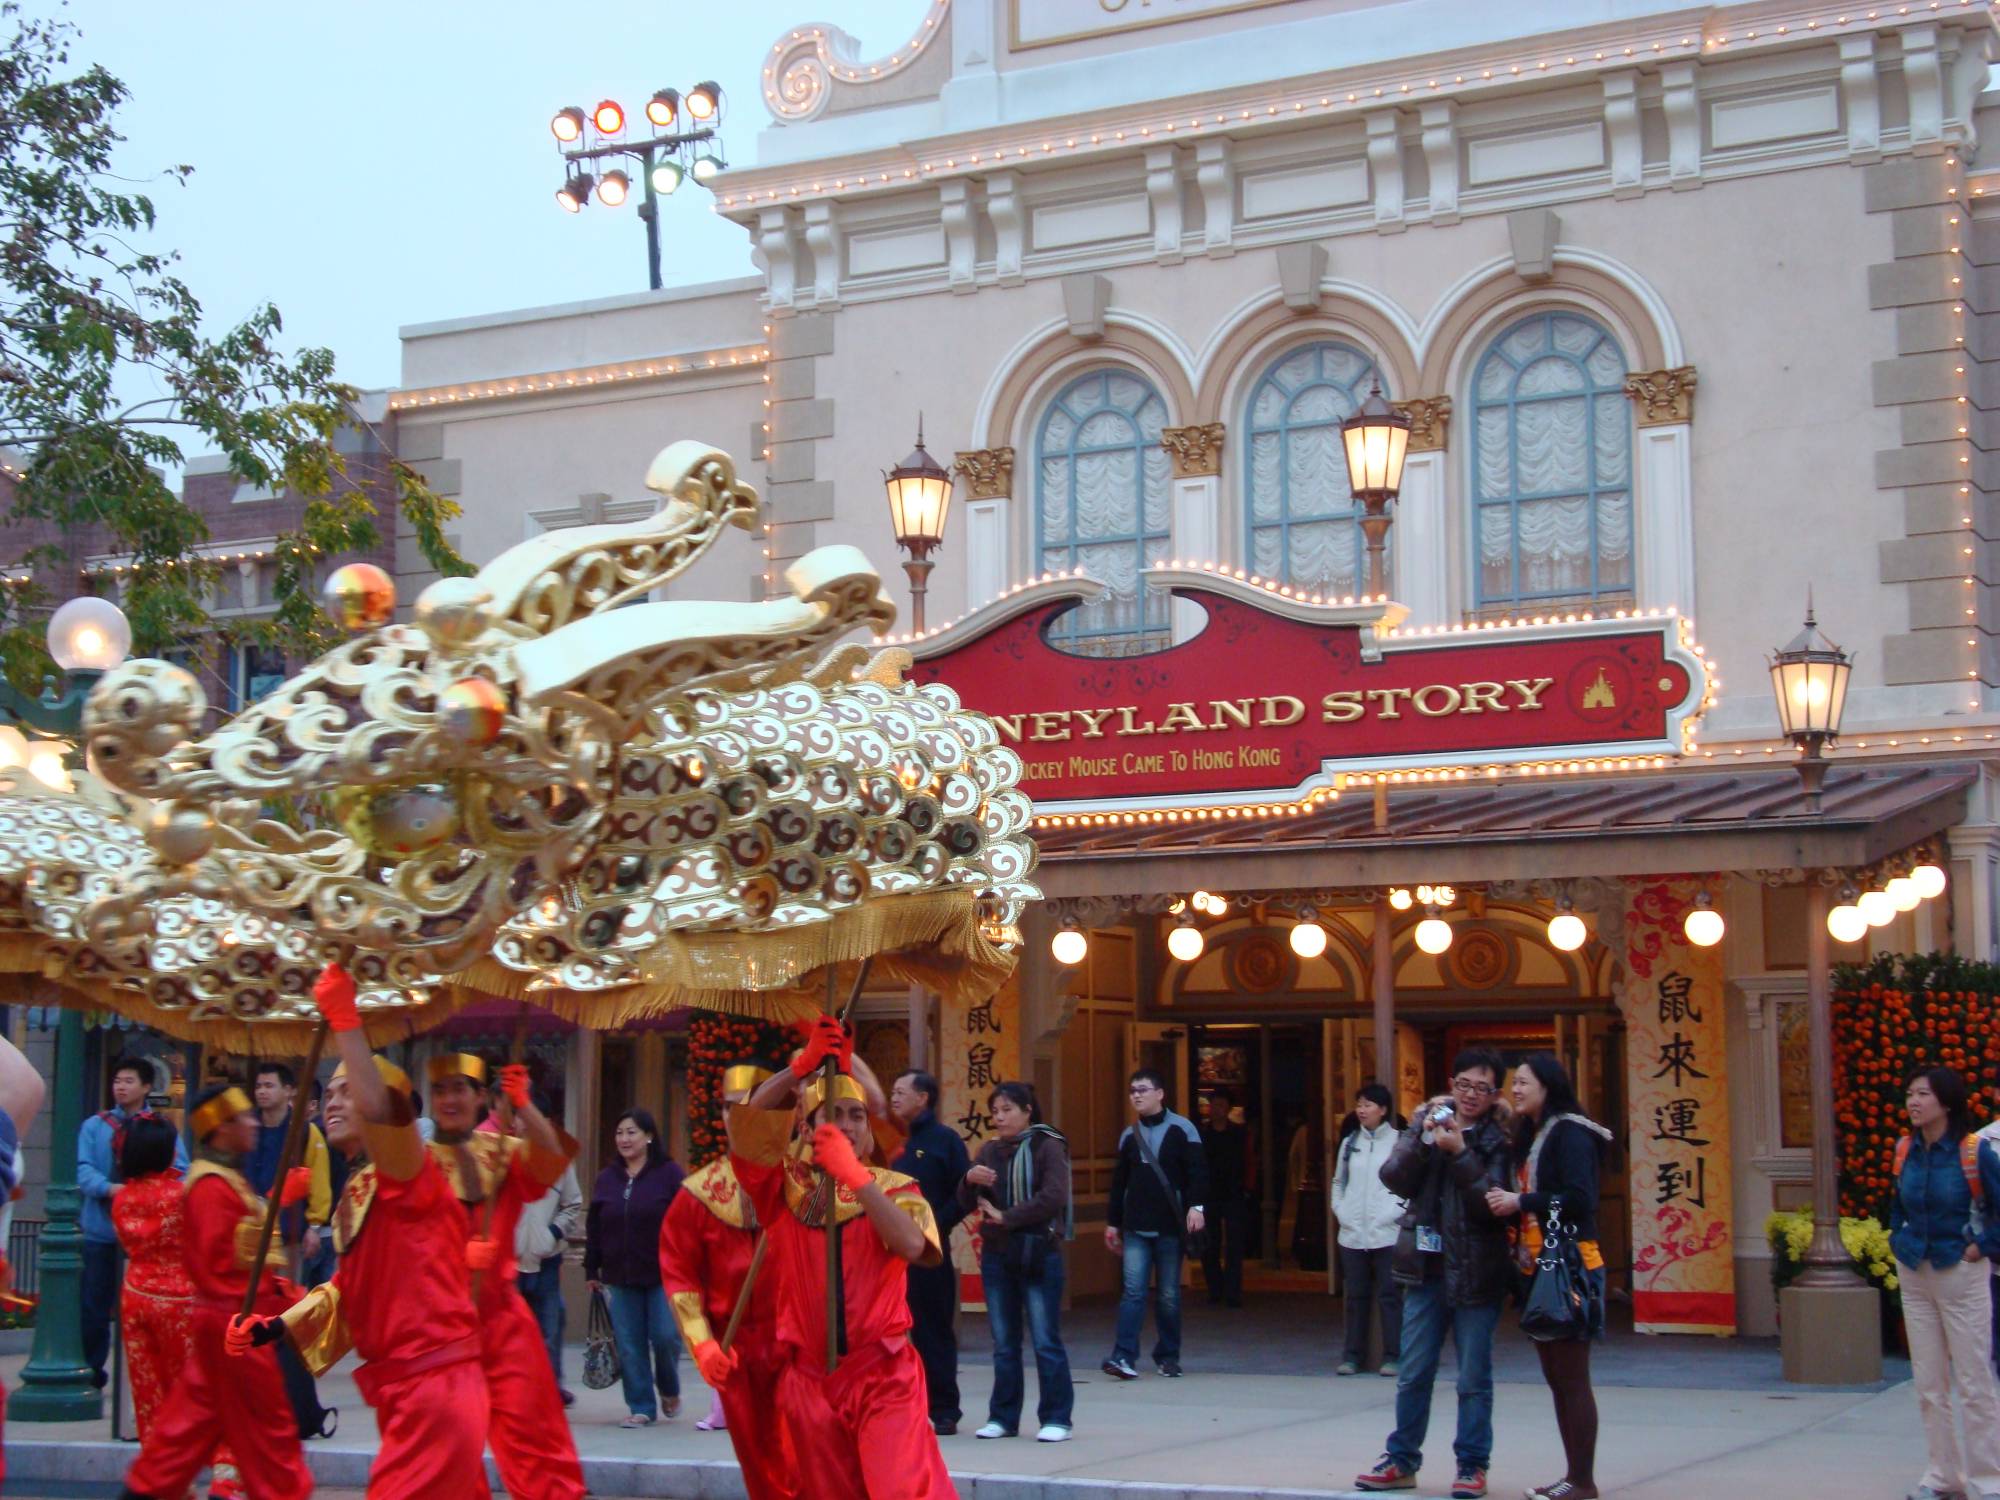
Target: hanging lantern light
{"x": 1703, "y": 924}
{"x": 1929, "y": 880}
{"x": 1877, "y": 908}
{"x": 1308, "y": 937}
{"x": 1903, "y": 894}
{"x": 1069, "y": 946}
{"x": 1845, "y": 922}
{"x": 1566, "y": 929}
{"x": 1400, "y": 899}
{"x": 1185, "y": 942}
{"x": 1433, "y": 934}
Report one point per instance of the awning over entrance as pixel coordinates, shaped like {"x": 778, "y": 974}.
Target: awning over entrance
{"x": 1652, "y": 824}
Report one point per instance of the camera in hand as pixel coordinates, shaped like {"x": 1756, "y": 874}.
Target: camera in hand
{"x": 1442, "y": 1113}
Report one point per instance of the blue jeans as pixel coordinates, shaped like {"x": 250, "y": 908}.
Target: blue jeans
{"x": 1156, "y": 1257}
{"x": 649, "y": 1346}
{"x": 541, "y": 1289}
{"x": 99, "y": 1297}
{"x": 1010, "y": 1297}
{"x": 1425, "y": 1314}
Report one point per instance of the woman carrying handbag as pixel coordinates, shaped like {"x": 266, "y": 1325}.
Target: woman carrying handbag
{"x": 1557, "y": 1153}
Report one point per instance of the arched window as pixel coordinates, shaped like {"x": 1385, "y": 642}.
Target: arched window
{"x": 1302, "y": 520}
{"x": 1102, "y": 505}
{"x": 1551, "y": 464}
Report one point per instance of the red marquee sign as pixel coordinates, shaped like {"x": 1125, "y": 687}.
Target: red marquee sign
{"x": 1276, "y": 697}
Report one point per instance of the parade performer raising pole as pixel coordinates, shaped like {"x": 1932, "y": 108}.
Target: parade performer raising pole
{"x": 864, "y": 1428}
{"x": 494, "y": 1177}
{"x": 214, "y": 1400}
{"x": 707, "y": 1242}
{"x": 402, "y": 1297}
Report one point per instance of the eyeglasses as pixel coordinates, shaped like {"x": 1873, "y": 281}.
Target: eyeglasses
{"x": 1468, "y": 1086}
{"x": 1139, "y": 1089}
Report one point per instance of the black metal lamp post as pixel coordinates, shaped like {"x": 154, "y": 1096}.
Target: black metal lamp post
{"x": 1377, "y": 438}
{"x": 1809, "y": 680}
{"x": 919, "y": 491}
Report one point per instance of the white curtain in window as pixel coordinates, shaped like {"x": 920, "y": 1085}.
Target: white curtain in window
{"x": 1299, "y": 513}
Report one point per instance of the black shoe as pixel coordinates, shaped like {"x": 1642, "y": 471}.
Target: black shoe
{"x": 945, "y": 1427}
{"x": 1171, "y": 1368}
{"x": 1120, "y": 1369}
{"x": 568, "y": 1397}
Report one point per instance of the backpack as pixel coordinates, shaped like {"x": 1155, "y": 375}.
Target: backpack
{"x": 1968, "y": 1163}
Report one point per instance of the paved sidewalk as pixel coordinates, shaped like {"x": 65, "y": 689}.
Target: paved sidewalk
{"x": 1679, "y": 1416}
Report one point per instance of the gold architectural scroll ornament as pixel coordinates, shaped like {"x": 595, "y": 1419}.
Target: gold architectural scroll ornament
{"x": 1429, "y": 416}
{"x": 1662, "y": 397}
{"x": 1195, "y": 451}
{"x": 684, "y": 802}
{"x": 990, "y": 472}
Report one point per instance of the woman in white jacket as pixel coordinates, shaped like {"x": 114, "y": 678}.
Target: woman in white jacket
{"x": 1370, "y": 1216}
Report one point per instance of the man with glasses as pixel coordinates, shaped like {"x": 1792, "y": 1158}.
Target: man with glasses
{"x": 1158, "y": 1187}
{"x": 1452, "y": 1260}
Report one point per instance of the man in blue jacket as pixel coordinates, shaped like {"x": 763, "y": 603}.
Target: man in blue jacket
{"x": 935, "y": 1156}
{"x": 98, "y": 1178}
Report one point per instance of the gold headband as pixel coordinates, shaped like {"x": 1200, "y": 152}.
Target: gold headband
{"x": 392, "y": 1075}
{"x": 457, "y": 1065}
{"x": 228, "y": 1105}
{"x": 743, "y": 1077}
{"x": 845, "y": 1086}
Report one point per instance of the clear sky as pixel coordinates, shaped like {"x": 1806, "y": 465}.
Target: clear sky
{"x": 372, "y": 163}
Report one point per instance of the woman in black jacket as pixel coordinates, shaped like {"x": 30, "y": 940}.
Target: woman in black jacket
{"x": 1557, "y": 1152}
{"x": 621, "y": 1258}
{"x": 1018, "y": 1193}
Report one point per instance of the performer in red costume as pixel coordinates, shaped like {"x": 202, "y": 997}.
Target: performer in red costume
{"x": 494, "y": 1177}
{"x": 705, "y": 1247}
{"x": 215, "y": 1400}
{"x": 402, "y": 1297}
{"x": 863, "y": 1430}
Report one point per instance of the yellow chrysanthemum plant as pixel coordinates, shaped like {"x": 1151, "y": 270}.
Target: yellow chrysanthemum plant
{"x": 1866, "y": 1241}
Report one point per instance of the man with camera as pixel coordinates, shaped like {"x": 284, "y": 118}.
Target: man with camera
{"x": 1451, "y": 1257}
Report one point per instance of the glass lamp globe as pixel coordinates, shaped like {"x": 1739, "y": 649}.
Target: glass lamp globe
{"x": 1703, "y": 927}
{"x": 1434, "y": 935}
{"x": 1069, "y": 946}
{"x": 1846, "y": 924}
{"x": 89, "y": 634}
{"x": 1903, "y": 893}
{"x": 1308, "y": 939}
{"x": 1929, "y": 880}
{"x": 1567, "y": 932}
{"x": 1399, "y": 899}
{"x": 13, "y": 748}
{"x": 1185, "y": 943}
{"x": 45, "y": 764}
{"x": 1877, "y": 908}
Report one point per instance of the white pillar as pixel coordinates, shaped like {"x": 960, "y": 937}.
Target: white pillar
{"x": 1663, "y": 519}
{"x": 1420, "y": 541}
{"x": 1197, "y": 536}
{"x": 987, "y": 549}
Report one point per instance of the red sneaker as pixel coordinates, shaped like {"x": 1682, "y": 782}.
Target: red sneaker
{"x": 1470, "y": 1484}
{"x": 1386, "y": 1475}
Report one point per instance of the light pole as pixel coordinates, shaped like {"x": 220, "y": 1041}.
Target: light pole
{"x": 87, "y": 637}
{"x": 1809, "y": 680}
{"x": 1377, "y": 437}
{"x": 919, "y": 490}
{"x": 664, "y": 161}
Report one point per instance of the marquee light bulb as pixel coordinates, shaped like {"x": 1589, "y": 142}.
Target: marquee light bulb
{"x": 1185, "y": 943}
{"x": 1877, "y": 908}
{"x": 1929, "y": 880}
{"x": 1903, "y": 893}
{"x": 1567, "y": 932}
{"x": 1434, "y": 935}
{"x": 1069, "y": 946}
{"x": 1846, "y": 924}
{"x": 1308, "y": 939}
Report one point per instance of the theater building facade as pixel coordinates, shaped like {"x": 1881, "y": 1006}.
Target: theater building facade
{"x": 1688, "y": 314}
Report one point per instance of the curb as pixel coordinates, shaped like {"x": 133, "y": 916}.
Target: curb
{"x": 103, "y": 1464}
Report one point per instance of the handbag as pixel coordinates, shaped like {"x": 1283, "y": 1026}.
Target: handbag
{"x": 1558, "y": 1301}
{"x": 601, "y": 1370}
{"x": 1195, "y": 1241}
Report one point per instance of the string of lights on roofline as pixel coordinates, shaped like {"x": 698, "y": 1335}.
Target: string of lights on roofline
{"x": 1859, "y": 912}
{"x": 1388, "y": 87}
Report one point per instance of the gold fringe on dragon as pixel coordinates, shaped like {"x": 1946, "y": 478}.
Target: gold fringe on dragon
{"x": 548, "y": 784}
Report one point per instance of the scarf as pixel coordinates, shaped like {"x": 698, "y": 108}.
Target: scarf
{"x": 1527, "y": 1230}
{"x": 1021, "y": 1175}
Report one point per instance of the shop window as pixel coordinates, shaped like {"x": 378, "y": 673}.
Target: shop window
{"x": 254, "y": 672}
{"x": 1102, "y": 504}
{"x": 1303, "y": 525}
{"x": 1551, "y": 465}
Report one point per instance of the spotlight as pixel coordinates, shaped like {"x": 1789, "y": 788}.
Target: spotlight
{"x": 1929, "y": 880}
{"x": 575, "y": 193}
{"x": 608, "y": 117}
{"x": 706, "y": 168}
{"x": 1703, "y": 925}
{"x": 1434, "y": 935}
{"x": 664, "y": 107}
{"x": 704, "y": 101}
{"x": 667, "y": 176}
{"x": 567, "y": 125}
{"x": 1185, "y": 942}
{"x": 1308, "y": 939}
{"x": 612, "y": 188}
{"x": 1069, "y": 945}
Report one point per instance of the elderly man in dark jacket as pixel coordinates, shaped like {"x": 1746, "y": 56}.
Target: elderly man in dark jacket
{"x": 936, "y": 1157}
{"x": 1453, "y": 1262}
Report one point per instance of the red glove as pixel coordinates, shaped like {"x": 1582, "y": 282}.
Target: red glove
{"x": 514, "y": 1084}
{"x": 480, "y": 1253}
{"x": 827, "y": 1038}
{"x": 834, "y": 1154}
{"x": 715, "y": 1363}
{"x": 334, "y": 995}
{"x": 245, "y": 1334}
{"x": 297, "y": 1188}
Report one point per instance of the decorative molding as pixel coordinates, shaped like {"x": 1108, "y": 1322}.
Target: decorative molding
{"x": 824, "y": 240}
{"x": 1003, "y": 207}
{"x": 1196, "y": 451}
{"x": 990, "y": 472}
{"x": 778, "y": 243}
{"x": 806, "y": 62}
{"x": 1385, "y": 167}
{"x": 955, "y": 211}
{"x": 1163, "y": 188}
{"x": 1621, "y": 127}
{"x": 1861, "y": 97}
{"x": 1301, "y": 272}
{"x": 1440, "y": 122}
{"x": 1215, "y": 175}
{"x": 1680, "y": 102}
{"x": 1663, "y": 397}
{"x": 1923, "y": 79}
{"x": 1430, "y": 417}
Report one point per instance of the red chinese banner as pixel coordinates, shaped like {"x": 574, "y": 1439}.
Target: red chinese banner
{"x": 979, "y": 1045}
{"x": 1677, "y": 1084}
{"x": 1263, "y": 703}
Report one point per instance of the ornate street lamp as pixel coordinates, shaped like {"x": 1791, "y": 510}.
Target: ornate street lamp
{"x": 87, "y": 637}
{"x": 919, "y": 490}
{"x": 1377, "y": 438}
{"x": 1809, "y": 679}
